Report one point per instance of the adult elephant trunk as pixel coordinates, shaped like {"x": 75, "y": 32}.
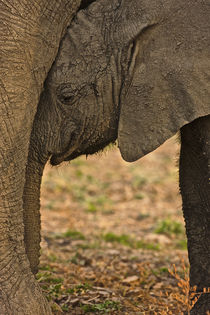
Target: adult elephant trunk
{"x": 30, "y": 32}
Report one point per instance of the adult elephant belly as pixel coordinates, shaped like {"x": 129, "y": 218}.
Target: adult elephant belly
{"x": 30, "y": 32}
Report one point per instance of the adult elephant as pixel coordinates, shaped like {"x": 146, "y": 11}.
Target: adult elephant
{"x": 138, "y": 71}
{"x": 30, "y": 32}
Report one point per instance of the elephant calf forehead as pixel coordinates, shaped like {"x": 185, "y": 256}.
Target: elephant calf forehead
{"x": 81, "y": 63}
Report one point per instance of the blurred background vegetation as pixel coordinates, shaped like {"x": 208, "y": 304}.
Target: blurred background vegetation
{"x": 113, "y": 233}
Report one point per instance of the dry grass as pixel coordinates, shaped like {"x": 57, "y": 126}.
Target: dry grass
{"x": 112, "y": 232}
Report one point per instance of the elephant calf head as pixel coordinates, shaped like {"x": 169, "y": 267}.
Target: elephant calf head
{"x": 132, "y": 70}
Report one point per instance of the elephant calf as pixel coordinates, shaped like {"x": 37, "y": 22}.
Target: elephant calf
{"x": 135, "y": 71}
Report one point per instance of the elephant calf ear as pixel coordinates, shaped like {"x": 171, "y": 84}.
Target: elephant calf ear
{"x": 169, "y": 85}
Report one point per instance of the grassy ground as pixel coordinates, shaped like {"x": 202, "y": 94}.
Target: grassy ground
{"x": 113, "y": 236}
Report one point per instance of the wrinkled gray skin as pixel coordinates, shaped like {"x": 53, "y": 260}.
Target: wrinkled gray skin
{"x": 137, "y": 71}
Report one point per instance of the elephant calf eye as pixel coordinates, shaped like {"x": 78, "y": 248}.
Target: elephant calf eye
{"x": 65, "y": 96}
{"x": 68, "y": 99}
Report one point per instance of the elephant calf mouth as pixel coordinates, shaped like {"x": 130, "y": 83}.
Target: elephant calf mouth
{"x": 59, "y": 158}
{"x": 54, "y": 160}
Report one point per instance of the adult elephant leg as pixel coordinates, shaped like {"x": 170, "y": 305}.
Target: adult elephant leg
{"x": 30, "y": 32}
{"x": 19, "y": 293}
{"x": 195, "y": 190}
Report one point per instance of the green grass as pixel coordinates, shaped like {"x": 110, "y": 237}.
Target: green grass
{"x": 72, "y": 234}
{"x": 163, "y": 270}
{"x": 139, "y": 196}
{"x": 169, "y": 227}
{"x": 126, "y": 240}
{"x": 51, "y": 205}
{"x": 146, "y": 245}
{"x": 51, "y": 284}
{"x": 52, "y": 258}
{"x": 79, "y": 192}
{"x": 103, "y": 308}
{"x": 46, "y": 268}
{"x": 98, "y": 203}
{"x": 89, "y": 245}
{"x": 91, "y": 207}
{"x": 182, "y": 244}
{"x": 160, "y": 271}
{"x": 65, "y": 307}
{"x": 80, "y": 288}
{"x": 122, "y": 239}
{"x": 79, "y": 173}
{"x": 78, "y": 162}
{"x": 49, "y": 278}
{"x": 139, "y": 181}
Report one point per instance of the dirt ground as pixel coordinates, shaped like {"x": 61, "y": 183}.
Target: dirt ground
{"x": 113, "y": 235}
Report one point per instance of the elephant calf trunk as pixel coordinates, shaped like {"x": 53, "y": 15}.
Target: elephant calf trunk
{"x": 31, "y": 209}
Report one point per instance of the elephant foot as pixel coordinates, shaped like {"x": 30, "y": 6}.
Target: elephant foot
{"x": 25, "y": 298}
{"x": 202, "y": 306}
